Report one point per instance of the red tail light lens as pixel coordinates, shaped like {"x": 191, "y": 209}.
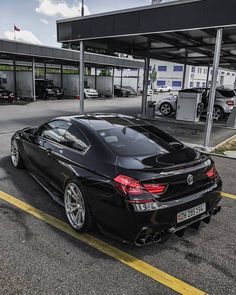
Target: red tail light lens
{"x": 155, "y": 188}
{"x": 212, "y": 173}
{"x": 132, "y": 186}
{"x": 128, "y": 185}
{"x": 230, "y": 103}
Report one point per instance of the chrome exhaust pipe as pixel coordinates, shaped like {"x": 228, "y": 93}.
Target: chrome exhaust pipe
{"x": 148, "y": 239}
{"x": 144, "y": 241}
{"x": 214, "y": 211}
{"x": 157, "y": 237}
{"x": 141, "y": 241}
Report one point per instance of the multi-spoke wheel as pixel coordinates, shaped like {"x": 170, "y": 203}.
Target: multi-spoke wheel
{"x": 166, "y": 109}
{"x": 15, "y": 155}
{"x": 77, "y": 208}
{"x": 217, "y": 113}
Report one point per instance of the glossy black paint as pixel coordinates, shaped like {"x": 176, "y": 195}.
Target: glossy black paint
{"x": 95, "y": 168}
{"x": 6, "y": 95}
{"x": 120, "y": 92}
{"x": 46, "y": 89}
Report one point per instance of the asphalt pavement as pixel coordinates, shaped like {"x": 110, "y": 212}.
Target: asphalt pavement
{"x": 37, "y": 258}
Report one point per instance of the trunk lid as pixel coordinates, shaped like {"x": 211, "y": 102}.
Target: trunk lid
{"x": 172, "y": 169}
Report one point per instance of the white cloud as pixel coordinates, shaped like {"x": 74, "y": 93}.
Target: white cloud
{"x": 23, "y": 35}
{"x": 44, "y": 21}
{"x": 60, "y": 8}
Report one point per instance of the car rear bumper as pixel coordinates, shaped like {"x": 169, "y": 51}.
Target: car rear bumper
{"x": 134, "y": 227}
{"x": 227, "y": 109}
{"x": 91, "y": 95}
{"x": 55, "y": 95}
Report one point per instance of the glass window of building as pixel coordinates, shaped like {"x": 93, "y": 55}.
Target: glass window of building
{"x": 162, "y": 68}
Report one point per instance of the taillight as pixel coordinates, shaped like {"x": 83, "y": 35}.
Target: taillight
{"x": 128, "y": 185}
{"x": 132, "y": 186}
{"x": 212, "y": 173}
{"x": 155, "y": 188}
{"x": 139, "y": 201}
{"x": 230, "y": 103}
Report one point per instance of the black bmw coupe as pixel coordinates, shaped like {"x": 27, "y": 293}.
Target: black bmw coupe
{"x": 124, "y": 175}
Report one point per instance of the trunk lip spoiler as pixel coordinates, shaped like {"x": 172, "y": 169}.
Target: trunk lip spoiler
{"x": 205, "y": 164}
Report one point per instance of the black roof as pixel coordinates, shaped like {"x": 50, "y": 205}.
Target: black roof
{"x": 181, "y": 31}
{"x": 106, "y": 121}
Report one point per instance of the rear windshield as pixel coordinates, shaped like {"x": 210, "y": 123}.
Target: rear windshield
{"x": 226, "y": 93}
{"x": 138, "y": 140}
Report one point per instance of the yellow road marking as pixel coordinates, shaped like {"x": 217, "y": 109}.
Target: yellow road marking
{"x": 133, "y": 262}
{"x": 228, "y": 196}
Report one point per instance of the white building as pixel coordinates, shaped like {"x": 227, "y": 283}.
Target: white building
{"x": 171, "y": 74}
{"x": 197, "y": 76}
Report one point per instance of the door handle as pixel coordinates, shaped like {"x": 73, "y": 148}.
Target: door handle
{"x": 49, "y": 152}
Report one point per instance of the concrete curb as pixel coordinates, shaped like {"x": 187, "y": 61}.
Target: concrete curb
{"x": 223, "y": 142}
{"x": 163, "y": 119}
{"x": 221, "y": 156}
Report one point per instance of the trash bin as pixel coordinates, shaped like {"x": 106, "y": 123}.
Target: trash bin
{"x": 151, "y": 109}
{"x": 232, "y": 119}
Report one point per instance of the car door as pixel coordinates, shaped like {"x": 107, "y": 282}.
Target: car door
{"x": 40, "y": 154}
{"x": 70, "y": 153}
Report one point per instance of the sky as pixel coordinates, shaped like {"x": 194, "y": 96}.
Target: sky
{"x": 36, "y": 19}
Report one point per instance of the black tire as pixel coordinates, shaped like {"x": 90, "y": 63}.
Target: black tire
{"x": 218, "y": 113}
{"x": 166, "y": 109}
{"x": 16, "y": 157}
{"x": 44, "y": 96}
{"x": 86, "y": 221}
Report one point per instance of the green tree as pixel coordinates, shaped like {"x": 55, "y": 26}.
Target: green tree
{"x": 105, "y": 72}
{"x": 153, "y": 76}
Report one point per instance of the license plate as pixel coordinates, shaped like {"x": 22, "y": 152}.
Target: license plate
{"x": 190, "y": 213}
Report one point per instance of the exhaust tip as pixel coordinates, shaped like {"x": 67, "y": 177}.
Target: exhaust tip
{"x": 215, "y": 211}
{"x": 144, "y": 241}
{"x": 148, "y": 240}
{"x": 157, "y": 237}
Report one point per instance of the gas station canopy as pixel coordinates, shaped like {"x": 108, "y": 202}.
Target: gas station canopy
{"x": 179, "y": 31}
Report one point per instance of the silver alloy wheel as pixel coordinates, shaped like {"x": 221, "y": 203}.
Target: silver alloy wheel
{"x": 74, "y": 205}
{"x": 14, "y": 153}
{"x": 217, "y": 113}
{"x": 165, "y": 109}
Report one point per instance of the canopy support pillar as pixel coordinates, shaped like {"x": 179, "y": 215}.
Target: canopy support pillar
{"x": 216, "y": 62}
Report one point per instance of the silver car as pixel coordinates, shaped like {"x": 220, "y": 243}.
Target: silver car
{"x": 224, "y": 103}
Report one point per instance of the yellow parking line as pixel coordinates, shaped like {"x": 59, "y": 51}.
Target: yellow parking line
{"x": 133, "y": 262}
{"x": 228, "y": 196}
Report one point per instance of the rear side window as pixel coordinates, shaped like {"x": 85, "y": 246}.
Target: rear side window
{"x": 75, "y": 139}
{"x": 54, "y": 130}
{"x": 226, "y": 93}
{"x": 138, "y": 140}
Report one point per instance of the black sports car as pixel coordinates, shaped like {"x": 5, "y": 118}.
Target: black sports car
{"x": 46, "y": 89}
{"x": 120, "y": 91}
{"x": 6, "y": 95}
{"x": 134, "y": 181}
